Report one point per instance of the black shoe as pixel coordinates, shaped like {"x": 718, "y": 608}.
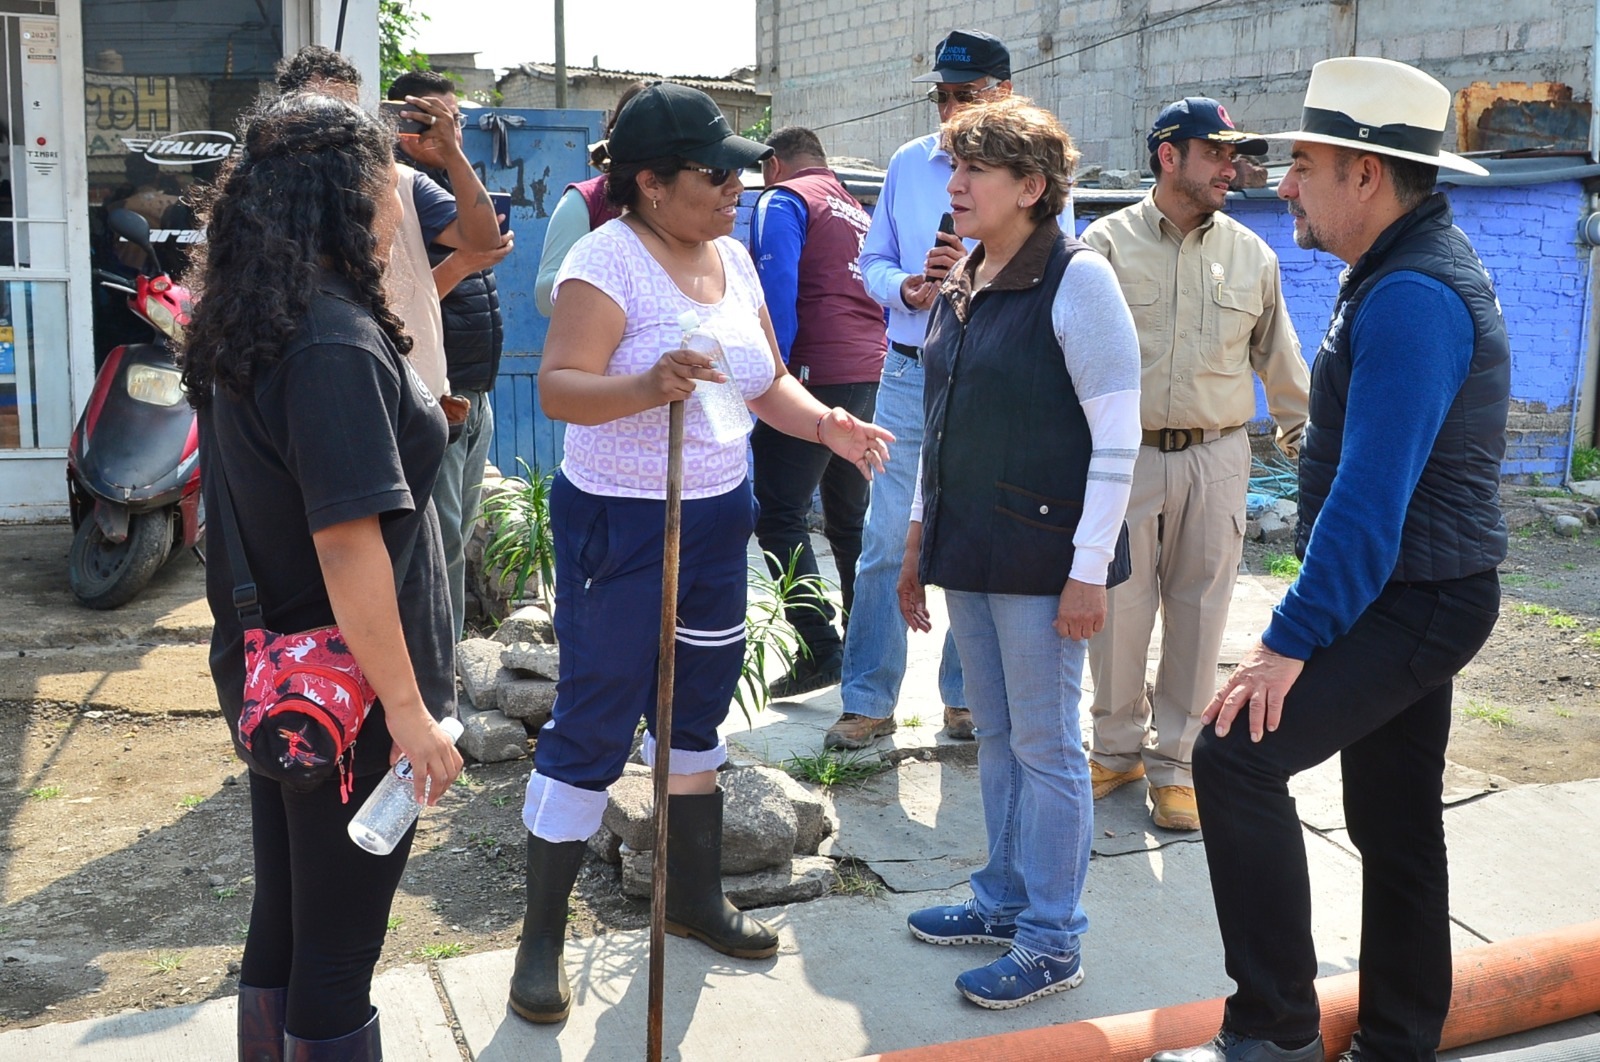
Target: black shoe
{"x": 539, "y": 990}
{"x": 363, "y": 1045}
{"x": 1229, "y": 1046}
{"x": 808, "y": 675}
{"x": 696, "y": 906}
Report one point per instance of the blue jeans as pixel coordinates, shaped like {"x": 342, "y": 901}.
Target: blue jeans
{"x": 875, "y": 644}
{"x": 456, "y": 495}
{"x": 1023, "y": 684}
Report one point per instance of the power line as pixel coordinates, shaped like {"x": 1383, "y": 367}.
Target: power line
{"x": 1053, "y": 59}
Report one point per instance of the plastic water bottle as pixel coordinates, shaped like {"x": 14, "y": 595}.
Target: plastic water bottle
{"x": 392, "y": 807}
{"x": 723, "y": 404}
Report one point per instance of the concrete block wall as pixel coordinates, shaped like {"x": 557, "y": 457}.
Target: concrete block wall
{"x": 828, "y": 63}
{"x": 1527, "y": 239}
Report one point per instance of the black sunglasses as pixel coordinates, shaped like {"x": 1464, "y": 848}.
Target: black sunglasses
{"x": 962, "y": 96}
{"x": 719, "y": 175}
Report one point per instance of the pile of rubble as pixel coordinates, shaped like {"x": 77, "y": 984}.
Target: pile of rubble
{"x": 508, "y": 685}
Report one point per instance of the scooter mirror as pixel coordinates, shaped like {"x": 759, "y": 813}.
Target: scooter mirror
{"x": 133, "y": 228}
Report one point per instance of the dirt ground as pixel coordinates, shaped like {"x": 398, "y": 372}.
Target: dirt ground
{"x": 125, "y": 857}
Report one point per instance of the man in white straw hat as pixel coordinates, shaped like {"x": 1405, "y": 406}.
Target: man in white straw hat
{"x": 1400, "y": 534}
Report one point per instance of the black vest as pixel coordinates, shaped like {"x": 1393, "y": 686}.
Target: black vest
{"x": 1001, "y": 501}
{"x": 1453, "y": 526}
{"x": 473, "y": 336}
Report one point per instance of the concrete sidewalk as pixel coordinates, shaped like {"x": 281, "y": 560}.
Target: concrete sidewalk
{"x": 849, "y": 980}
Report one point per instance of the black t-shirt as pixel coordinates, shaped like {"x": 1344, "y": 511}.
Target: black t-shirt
{"x": 339, "y": 429}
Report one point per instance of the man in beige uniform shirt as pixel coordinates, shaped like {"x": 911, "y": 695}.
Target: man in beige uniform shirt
{"x": 1207, "y": 300}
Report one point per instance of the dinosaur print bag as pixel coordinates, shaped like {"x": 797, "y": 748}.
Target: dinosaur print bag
{"x": 305, "y": 699}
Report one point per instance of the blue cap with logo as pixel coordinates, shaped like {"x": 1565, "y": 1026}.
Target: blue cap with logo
{"x": 968, "y": 55}
{"x": 1201, "y": 118}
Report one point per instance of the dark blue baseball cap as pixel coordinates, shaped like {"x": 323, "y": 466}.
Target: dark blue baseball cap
{"x": 1201, "y": 118}
{"x": 968, "y": 55}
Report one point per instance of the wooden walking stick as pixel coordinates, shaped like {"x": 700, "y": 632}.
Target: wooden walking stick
{"x": 664, "y": 676}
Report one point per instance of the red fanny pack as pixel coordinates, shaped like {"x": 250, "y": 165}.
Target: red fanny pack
{"x": 305, "y": 699}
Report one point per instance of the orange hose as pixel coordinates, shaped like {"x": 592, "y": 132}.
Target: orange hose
{"x": 1500, "y": 989}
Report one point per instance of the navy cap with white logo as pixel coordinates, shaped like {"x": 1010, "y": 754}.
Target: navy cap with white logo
{"x": 968, "y": 55}
{"x": 1201, "y": 118}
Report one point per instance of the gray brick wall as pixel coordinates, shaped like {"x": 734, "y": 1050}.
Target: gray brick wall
{"x": 827, "y": 62}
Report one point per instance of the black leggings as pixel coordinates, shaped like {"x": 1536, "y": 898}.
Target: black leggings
{"x": 321, "y": 905}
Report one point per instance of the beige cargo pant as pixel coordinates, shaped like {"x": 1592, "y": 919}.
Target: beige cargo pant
{"x": 1186, "y": 518}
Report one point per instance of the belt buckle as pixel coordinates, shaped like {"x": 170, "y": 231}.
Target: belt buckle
{"x": 1170, "y": 437}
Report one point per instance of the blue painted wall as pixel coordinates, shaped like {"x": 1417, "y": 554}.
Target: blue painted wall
{"x": 1527, "y": 238}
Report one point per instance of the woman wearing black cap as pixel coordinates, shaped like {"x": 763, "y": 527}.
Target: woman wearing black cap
{"x": 624, "y": 298}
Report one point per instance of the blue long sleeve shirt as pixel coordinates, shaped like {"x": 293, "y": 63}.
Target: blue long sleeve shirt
{"x": 1411, "y": 346}
{"x": 777, "y": 236}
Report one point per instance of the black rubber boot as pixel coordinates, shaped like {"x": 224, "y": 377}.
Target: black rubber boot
{"x": 261, "y": 1023}
{"x": 696, "y": 906}
{"x": 363, "y": 1045}
{"x": 539, "y": 990}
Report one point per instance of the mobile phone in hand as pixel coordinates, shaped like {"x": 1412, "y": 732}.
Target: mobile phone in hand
{"x": 403, "y": 126}
{"x": 947, "y": 225}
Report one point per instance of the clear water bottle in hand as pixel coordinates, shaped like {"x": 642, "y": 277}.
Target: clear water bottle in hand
{"x": 392, "y": 807}
{"x": 722, "y": 402}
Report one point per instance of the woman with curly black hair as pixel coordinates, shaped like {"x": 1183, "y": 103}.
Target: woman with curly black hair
{"x": 329, "y": 445}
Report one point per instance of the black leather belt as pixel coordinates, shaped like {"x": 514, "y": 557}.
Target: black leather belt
{"x": 914, "y": 353}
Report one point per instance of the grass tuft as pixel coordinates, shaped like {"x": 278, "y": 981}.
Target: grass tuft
{"x": 1283, "y": 565}
{"x": 1496, "y": 715}
{"x": 853, "y": 878}
{"x": 46, "y": 792}
{"x": 831, "y": 768}
{"x": 165, "y": 962}
{"x": 442, "y": 951}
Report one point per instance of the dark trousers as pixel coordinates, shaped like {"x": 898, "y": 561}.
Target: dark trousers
{"x": 788, "y": 472}
{"x": 321, "y": 906}
{"x": 1380, "y": 697}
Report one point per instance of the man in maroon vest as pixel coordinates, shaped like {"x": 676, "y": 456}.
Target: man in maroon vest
{"x": 805, "y": 238}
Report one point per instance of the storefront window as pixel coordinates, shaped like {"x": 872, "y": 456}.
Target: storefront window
{"x": 164, "y": 86}
{"x": 34, "y": 410}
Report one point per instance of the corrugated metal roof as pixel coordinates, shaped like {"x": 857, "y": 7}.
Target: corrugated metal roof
{"x": 579, "y": 73}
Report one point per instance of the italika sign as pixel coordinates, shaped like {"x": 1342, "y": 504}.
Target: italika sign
{"x": 196, "y": 147}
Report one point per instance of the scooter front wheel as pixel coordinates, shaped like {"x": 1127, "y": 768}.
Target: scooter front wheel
{"x": 105, "y": 574}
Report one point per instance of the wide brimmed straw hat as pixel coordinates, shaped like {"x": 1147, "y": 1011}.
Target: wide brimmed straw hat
{"x": 1378, "y": 105}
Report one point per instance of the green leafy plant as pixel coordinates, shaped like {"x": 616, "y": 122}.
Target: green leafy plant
{"x": 1517, "y": 579}
{"x": 1586, "y": 462}
{"x": 1283, "y": 565}
{"x": 829, "y": 768}
{"x": 1592, "y": 639}
{"x": 46, "y": 792}
{"x": 467, "y": 781}
{"x": 394, "y": 923}
{"x": 769, "y": 636}
{"x": 191, "y": 801}
{"x": 225, "y": 892}
{"x": 521, "y": 545}
{"x": 398, "y": 24}
{"x": 911, "y": 721}
{"x": 442, "y": 951}
{"x": 762, "y": 127}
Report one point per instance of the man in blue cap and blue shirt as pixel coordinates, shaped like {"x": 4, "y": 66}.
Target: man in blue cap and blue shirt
{"x": 903, "y": 261}
{"x": 1207, "y": 300}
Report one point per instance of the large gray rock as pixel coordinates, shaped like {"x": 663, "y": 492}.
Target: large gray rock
{"x": 812, "y": 819}
{"x": 1274, "y": 528}
{"x": 606, "y": 845}
{"x": 527, "y": 624}
{"x": 529, "y": 700}
{"x": 1585, "y": 488}
{"x": 1568, "y": 526}
{"x": 801, "y": 878}
{"x": 759, "y": 823}
{"x": 489, "y": 737}
{"x": 478, "y": 664}
{"x": 534, "y": 657}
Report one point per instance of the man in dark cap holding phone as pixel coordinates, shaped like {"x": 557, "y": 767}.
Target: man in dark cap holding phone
{"x": 904, "y": 259}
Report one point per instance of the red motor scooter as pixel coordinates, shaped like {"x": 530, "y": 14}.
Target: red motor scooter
{"x": 133, "y": 468}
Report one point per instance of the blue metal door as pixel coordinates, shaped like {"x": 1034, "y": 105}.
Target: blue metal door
{"x": 544, "y": 151}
